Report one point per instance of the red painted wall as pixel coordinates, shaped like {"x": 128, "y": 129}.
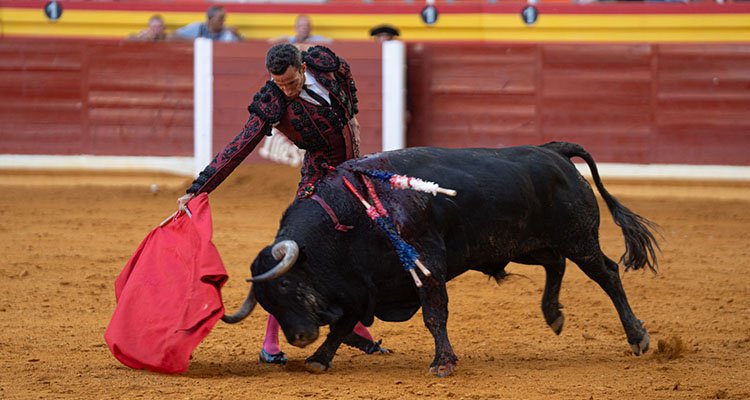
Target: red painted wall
{"x": 628, "y": 103}
{"x": 128, "y": 98}
{"x": 96, "y": 97}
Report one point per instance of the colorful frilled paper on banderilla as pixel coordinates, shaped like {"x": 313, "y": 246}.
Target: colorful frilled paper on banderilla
{"x": 407, "y": 254}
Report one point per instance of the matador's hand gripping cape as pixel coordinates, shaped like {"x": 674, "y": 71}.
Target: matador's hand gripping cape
{"x": 322, "y": 130}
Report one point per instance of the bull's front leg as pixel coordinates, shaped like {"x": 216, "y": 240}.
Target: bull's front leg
{"x": 434, "y": 298}
{"x": 320, "y": 361}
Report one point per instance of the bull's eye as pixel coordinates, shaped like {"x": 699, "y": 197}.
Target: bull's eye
{"x": 284, "y": 284}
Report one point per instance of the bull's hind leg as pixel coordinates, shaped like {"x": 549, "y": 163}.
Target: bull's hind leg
{"x": 551, "y": 297}
{"x": 554, "y": 266}
{"x": 604, "y": 271}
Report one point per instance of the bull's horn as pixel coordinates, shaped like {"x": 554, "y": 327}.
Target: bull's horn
{"x": 245, "y": 310}
{"x": 287, "y": 249}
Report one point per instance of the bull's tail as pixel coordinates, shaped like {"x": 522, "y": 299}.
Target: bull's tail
{"x": 640, "y": 244}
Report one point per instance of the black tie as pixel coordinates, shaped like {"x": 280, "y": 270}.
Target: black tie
{"x": 317, "y": 97}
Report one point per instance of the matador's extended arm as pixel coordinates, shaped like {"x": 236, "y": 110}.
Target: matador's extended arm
{"x": 267, "y": 108}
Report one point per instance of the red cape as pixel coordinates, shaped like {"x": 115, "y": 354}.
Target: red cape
{"x": 169, "y": 294}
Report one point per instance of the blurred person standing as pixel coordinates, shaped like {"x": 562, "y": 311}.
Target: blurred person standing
{"x": 302, "y": 33}
{"x": 155, "y": 31}
{"x": 213, "y": 28}
{"x": 384, "y": 32}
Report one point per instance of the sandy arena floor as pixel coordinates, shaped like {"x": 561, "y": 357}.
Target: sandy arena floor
{"x": 65, "y": 237}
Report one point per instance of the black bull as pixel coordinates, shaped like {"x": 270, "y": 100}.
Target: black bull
{"x": 524, "y": 204}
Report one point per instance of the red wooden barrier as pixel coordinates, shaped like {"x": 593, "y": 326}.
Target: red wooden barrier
{"x": 130, "y": 98}
{"x": 628, "y": 103}
{"x": 96, "y": 97}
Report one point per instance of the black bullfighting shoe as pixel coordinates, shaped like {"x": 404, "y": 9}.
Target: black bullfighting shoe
{"x": 375, "y": 347}
{"x": 266, "y": 358}
{"x": 366, "y": 345}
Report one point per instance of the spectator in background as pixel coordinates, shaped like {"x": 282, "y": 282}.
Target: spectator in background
{"x": 213, "y": 28}
{"x": 303, "y": 33}
{"x": 384, "y": 32}
{"x": 156, "y": 30}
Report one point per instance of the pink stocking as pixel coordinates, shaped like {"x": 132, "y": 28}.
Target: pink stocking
{"x": 271, "y": 341}
{"x": 361, "y": 330}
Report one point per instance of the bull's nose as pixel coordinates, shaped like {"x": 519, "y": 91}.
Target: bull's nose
{"x": 302, "y": 339}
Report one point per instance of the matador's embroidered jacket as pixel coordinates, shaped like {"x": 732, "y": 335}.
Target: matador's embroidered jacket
{"x": 323, "y": 131}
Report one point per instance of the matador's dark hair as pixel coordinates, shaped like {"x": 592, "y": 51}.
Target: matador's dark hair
{"x": 281, "y": 56}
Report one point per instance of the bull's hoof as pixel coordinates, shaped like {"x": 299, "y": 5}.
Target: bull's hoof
{"x": 316, "y": 367}
{"x": 442, "y": 370}
{"x": 642, "y": 347}
{"x": 557, "y": 325}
